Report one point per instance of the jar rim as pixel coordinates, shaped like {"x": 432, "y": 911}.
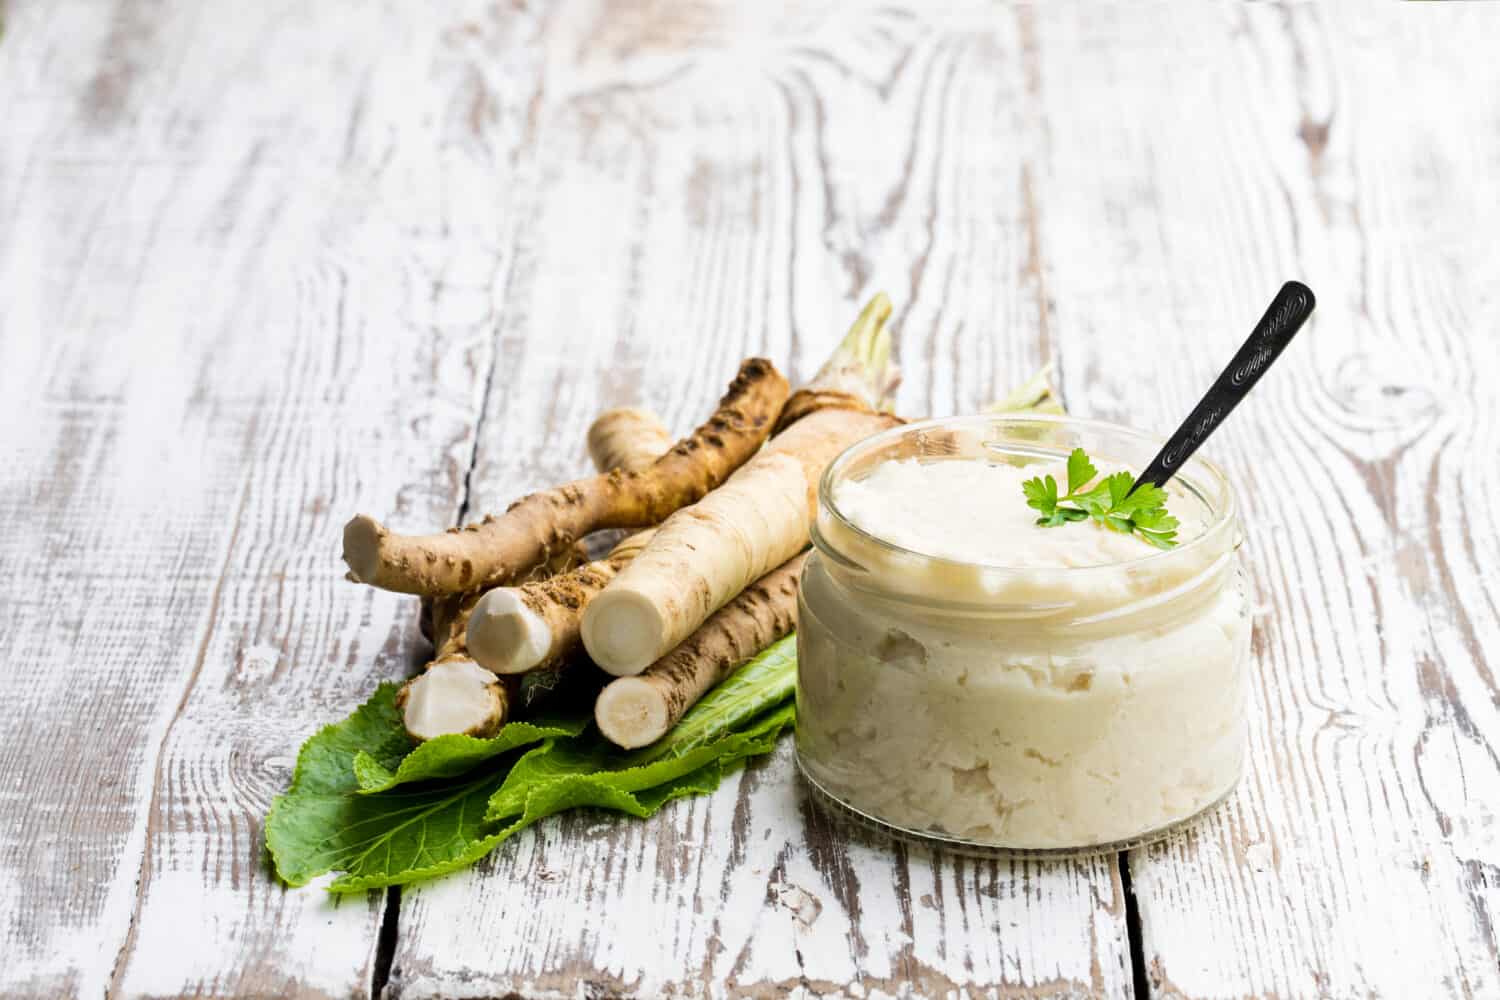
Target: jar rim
{"x": 1223, "y": 512}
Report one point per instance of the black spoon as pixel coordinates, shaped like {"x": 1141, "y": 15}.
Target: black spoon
{"x": 1285, "y": 316}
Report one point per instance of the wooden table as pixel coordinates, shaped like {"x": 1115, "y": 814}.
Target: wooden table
{"x": 263, "y": 265}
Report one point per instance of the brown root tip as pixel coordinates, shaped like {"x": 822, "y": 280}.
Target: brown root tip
{"x": 631, "y": 713}
{"x": 362, "y": 538}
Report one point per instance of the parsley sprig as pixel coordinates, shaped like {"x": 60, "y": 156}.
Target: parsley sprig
{"x": 1109, "y": 502}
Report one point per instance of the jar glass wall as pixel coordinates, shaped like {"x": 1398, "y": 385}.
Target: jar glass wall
{"x": 1015, "y": 707}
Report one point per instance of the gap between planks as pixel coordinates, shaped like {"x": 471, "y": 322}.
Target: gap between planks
{"x": 390, "y": 919}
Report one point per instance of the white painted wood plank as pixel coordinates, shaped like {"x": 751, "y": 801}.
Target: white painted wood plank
{"x": 246, "y": 265}
{"x": 250, "y": 264}
{"x": 418, "y": 247}
{"x": 707, "y": 186}
{"x": 1357, "y": 152}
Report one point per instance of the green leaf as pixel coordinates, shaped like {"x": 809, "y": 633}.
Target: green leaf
{"x": 454, "y": 754}
{"x": 1156, "y": 519}
{"x": 731, "y": 718}
{"x": 323, "y": 823}
{"x": 473, "y": 840}
{"x": 1117, "y": 485}
{"x": 1041, "y": 494}
{"x": 392, "y": 837}
{"x": 1162, "y": 540}
{"x": 1147, "y": 497}
{"x": 1096, "y": 503}
{"x": 589, "y": 770}
{"x": 1080, "y": 470}
{"x": 328, "y": 822}
{"x": 1110, "y": 502}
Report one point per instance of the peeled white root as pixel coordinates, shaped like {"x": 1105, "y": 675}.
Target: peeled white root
{"x": 702, "y": 556}
{"x": 632, "y": 712}
{"x": 452, "y": 696}
{"x": 623, "y": 631}
{"x": 505, "y": 635}
{"x": 514, "y": 630}
{"x": 638, "y": 710}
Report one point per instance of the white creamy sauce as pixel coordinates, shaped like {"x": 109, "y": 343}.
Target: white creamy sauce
{"x": 974, "y": 511}
{"x": 1094, "y": 698}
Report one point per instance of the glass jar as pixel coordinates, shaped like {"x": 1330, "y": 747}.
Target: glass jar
{"x": 1022, "y": 708}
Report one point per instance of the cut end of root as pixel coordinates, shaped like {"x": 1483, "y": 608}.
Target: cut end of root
{"x": 505, "y": 635}
{"x": 622, "y": 631}
{"x": 453, "y": 696}
{"x": 631, "y": 713}
{"x": 362, "y": 538}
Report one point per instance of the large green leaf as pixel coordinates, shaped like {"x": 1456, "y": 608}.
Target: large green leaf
{"x": 437, "y": 831}
{"x": 324, "y": 824}
{"x": 589, "y": 770}
{"x": 327, "y": 821}
{"x": 455, "y": 754}
{"x": 731, "y": 718}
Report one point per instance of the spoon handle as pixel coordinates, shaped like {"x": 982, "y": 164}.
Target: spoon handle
{"x": 1285, "y": 316}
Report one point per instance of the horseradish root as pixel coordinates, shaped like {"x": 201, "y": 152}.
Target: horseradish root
{"x": 453, "y": 694}
{"x": 707, "y": 553}
{"x": 499, "y": 550}
{"x": 458, "y": 693}
{"x": 533, "y": 627}
{"x": 634, "y": 711}
{"x": 628, "y": 439}
{"x": 703, "y": 555}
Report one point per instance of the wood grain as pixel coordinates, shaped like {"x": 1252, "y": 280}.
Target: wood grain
{"x": 1359, "y": 856}
{"x": 262, "y": 266}
{"x": 708, "y": 186}
{"x": 248, "y": 269}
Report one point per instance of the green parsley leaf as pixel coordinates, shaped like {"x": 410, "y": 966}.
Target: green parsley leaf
{"x": 1080, "y": 470}
{"x": 1109, "y": 502}
{"x": 1041, "y": 494}
{"x": 1117, "y": 486}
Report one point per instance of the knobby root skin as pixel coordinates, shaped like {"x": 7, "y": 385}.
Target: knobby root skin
{"x": 499, "y": 550}
{"x": 628, "y": 439}
{"x": 513, "y": 630}
{"x": 703, "y": 555}
{"x": 636, "y": 711}
{"x": 456, "y": 693}
{"x": 573, "y": 556}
